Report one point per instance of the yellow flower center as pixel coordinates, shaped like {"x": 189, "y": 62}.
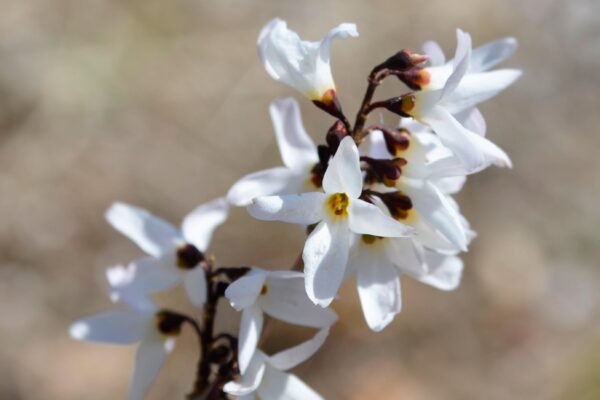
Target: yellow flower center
{"x": 338, "y": 204}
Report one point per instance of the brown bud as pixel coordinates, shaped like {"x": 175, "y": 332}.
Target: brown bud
{"x": 401, "y": 61}
{"x": 382, "y": 170}
{"x": 330, "y": 104}
{"x": 169, "y": 323}
{"x": 397, "y": 203}
{"x": 415, "y": 78}
{"x": 188, "y": 256}
{"x": 335, "y": 134}
{"x": 396, "y": 141}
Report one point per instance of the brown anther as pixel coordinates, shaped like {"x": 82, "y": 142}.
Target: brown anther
{"x": 264, "y": 290}
{"x": 188, "y": 256}
{"x": 169, "y": 323}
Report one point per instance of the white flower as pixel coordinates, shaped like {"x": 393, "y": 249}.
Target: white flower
{"x": 298, "y": 153}
{"x": 339, "y": 213}
{"x": 454, "y": 89}
{"x": 279, "y": 294}
{"x": 301, "y": 64}
{"x": 422, "y": 200}
{"x": 265, "y": 377}
{"x": 175, "y": 254}
{"x": 379, "y": 263}
{"x": 154, "y": 330}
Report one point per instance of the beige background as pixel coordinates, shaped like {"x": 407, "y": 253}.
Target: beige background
{"x": 164, "y": 104}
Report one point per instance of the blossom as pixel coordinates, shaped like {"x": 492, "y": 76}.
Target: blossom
{"x": 279, "y": 294}
{"x": 175, "y": 255}
{"x": 339, "y": 213}
{"x": 379, "y": 263}
{"x": 298, "y": 153}
{"x": 450, "y": 93}
{"x": 154, "y": 330}
{"x": 420, "y": 197}
{"x": 301, "y": 64}
{"x": 265, "y": 376}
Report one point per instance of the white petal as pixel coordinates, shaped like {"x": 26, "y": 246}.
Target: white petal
{"x": 492, "y": 153}
{"x": 343, "y": 173}
{"x": 287, "y": 301}
{"x": 300, "y": 64}
{"x": 433, "y": 206}
{"x": 435, "y": 53}
{"x": 149, "y": 359}
{"x": 450, "y": 185}
{"x": 490, "y": 54}
{"x": 376, "y": 147}
{"x": 288, "y": 359}
{"x": 244, "y": 291}
{"x": 199, "y": 225}
{"x": 277, "y": 385}
{"x": 473, "y": 120}
{"x": 325, "y": 256}
{"x": 145, "y": 276}
{"x": 250, "y": 329}
{"x": 194, "y": 282}
{"x": 249, "y": 381}
{"x": 115, "y": 326}
{"x": 298, "y": 151}
{"x": 462, "y": 57}
{"x": 456, "y": 137}
{"x": 367, "y": 219}
{"x": 445, "y": 271}
{"x": 378, "y": 285}
{"x": 407, "y": 254}
{"x": 305, "y": 208}
{"x": 267, "y": 182}
{"x": 477, "y": 88}
{"x": 154, "y": 235}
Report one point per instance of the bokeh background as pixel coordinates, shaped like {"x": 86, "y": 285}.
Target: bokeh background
{"x": 164, "y": 104}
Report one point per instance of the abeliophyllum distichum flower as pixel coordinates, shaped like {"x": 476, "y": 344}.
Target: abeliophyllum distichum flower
{"x": 376, "y": 201}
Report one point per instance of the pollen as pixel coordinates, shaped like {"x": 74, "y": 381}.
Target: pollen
{"x": 264, "y": 290}
{"x": 370, "y": 239}
{"x": 338, "y": 204}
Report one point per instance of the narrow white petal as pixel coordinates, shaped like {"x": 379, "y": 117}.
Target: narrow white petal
{"x": 149, "y": 359}
{"x": 433, "y": 206}
{"x": 194, "y": 282}
{"x": 462, "y": 57}
{"x": 154, "y": 235}
{"x": 491, "y": 54}
{"x": 456, "y": 137}
{"x": 277, "y": 385}
{"x": 298, "y": 151}
{"x": 115, "y": 326}
{"x": 286, "y": 300}
{"x": 250, "y": 329}
{"x": 300, "y": 64}
{"x": 407, "y": 254}
{"x": 378, "y": 286}
{"x": 473, "y": 120}
{"x": 288, "y": 359}
{"x": 145, "y": 276}
{"x": 243, "y": 292}
{"x": 375, "y": 146}
{"x": 477, "y": 88}
{"x": 279, "y": 181}
{"x": 445, "y": 271}
{"x": 325, "y": 256}
{"x": 450, "y": 185}
{"x": 343, "y": 173}
{"x": 492, "y": 153}
{"x": 250, "y": 380}
{"x": 305, "y": 208}
{"x": 367, "y": 219}
{"x": 199, "y": 225}
{"x": 435, "y": 53}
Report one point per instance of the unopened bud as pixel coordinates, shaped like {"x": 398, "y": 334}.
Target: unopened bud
{"x": 330, "y": 104}
{"x": 398, "y": 204}
{"x": 415, "y": 78}
{"x": 384, "y": 171}
{"x": 169, "y": 323}
{"x": 396, "y": 141}
{"x": 402, "y": 61}
{"x": 335, "y": 134}
{"x": 402, "y": 105}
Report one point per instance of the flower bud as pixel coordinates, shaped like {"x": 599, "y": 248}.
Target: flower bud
{"x": 384, "y": 171}
{"x": 402, "y": 61}
{"x": 330, "y": 104}
{"x": 169, "y": 323}
{"x": 401, "y": 105}
{"x": 396, "y": 141}
{"x": 398, "y": 204}
{"x": 335, "y": 134}
{"x": 188, "y": 256}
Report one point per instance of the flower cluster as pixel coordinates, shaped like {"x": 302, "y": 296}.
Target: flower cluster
{"x": 376, "y": 201}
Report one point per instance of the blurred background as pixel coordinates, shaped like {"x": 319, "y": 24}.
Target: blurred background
{"x": 164, "y": 104}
